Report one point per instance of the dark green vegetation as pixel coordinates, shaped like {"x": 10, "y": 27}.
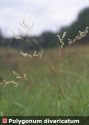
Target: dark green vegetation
{"x": 57, "y": 85}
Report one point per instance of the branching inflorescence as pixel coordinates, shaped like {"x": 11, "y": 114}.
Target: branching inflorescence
{"x": 15, "y": 83}
{"x": 81, "y": 35}
{"x": 61, "y": 44}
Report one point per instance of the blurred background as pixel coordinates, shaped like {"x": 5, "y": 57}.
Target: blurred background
{"x": 43, "y": 19}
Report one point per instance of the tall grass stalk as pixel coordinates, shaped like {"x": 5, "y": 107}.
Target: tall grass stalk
{"x": 37, "y": 93}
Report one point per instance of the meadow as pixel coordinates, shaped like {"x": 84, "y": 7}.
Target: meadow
{"x": 56, "y": 85}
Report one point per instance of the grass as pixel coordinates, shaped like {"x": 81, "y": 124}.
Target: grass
{"x": 41, "y": 94}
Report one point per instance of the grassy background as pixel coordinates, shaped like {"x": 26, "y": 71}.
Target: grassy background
{"x": 41, "y": 94}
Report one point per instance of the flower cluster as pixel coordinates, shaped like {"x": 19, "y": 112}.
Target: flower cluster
{"x": 35, "y": 54}
{"x": 5, "y": 83}
{"x": 81, "y": 35}
{"x": 61, "y": 40}
{"x": 25, "y": 54}
{"x": 17, "y": 76}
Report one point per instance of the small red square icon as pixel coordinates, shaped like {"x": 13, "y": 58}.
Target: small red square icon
{"x": 4, "y": 120}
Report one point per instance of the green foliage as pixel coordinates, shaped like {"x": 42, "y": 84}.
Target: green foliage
{"x": 56, "y": 84}
{"x": 42, "y": 96}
